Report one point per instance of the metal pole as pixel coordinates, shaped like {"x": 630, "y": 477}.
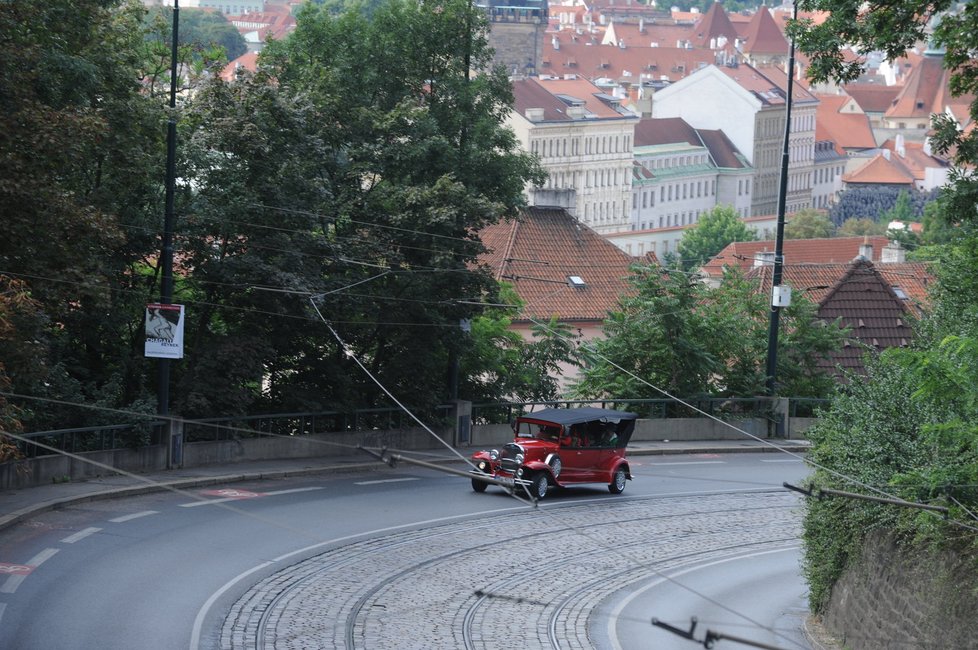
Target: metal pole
{"x": 166, "y": 254}
{"x": 772, "y": 338}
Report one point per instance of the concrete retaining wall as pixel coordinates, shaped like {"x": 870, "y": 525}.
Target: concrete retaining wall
{"x": 897, "y": 596}
{"x": 49, "y": 469}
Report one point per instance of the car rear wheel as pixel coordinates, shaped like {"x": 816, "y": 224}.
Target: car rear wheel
{"x": 539, "y": 486}
{"x": 479, "y": 485}
{"x": 617, "y": 485}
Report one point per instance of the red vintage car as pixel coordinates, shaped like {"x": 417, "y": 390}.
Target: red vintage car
{"x": 560, "y": 447}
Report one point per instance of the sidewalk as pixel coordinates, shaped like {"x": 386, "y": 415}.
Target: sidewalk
{"x": 18, "y": 505}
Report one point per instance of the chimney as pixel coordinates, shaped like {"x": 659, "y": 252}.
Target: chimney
{"x": 764, "y": 258}
{"x": 866, "y": 250}
{"x": 894, "y": 253}
{"x": 886, "y": 154}
{"x": 901, "y": 147}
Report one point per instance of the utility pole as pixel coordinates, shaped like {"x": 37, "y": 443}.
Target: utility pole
{"x": 779, "y": 297}
{"x": 166, "y": 253}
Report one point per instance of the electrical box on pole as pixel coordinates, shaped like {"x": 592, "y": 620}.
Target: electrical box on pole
{"x": 781, "y": 296}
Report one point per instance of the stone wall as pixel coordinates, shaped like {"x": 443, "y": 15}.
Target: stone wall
{"x": 898, "y": 596}
{"x": 516, "y": 45}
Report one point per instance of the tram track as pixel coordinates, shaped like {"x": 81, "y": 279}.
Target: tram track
{"x": 419, "y": 588}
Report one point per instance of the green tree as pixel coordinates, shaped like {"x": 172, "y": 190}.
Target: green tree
{"x": 201, "y": 30}
{"x": 808, "y": 224}
{"x": 715, "y": 230}
{"x": 683, "y": 337}
{"x": 857, "y": 227}
{"x": 894, "y": 28}
{"x": 358, "y": 170}
{"x": 81, "y": 158}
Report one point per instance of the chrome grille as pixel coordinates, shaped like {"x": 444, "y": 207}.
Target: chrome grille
{"x": 507, "y": 459}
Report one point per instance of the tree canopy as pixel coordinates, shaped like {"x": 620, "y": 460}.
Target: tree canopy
{"x": 808, "y": 224}
{"x": 714, "y": 231}
{"x": 678, "y": 335}
{"x": 349, "y": 187}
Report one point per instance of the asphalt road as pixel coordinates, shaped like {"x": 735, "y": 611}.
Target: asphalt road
{"x": 411, "y": 558}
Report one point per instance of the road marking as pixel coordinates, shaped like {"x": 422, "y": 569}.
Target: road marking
{"x": 386, "y": 480}
{"x": 783, "y": 460}
{"x": 135, "y": 515}
{"x": 671, "y": 577}
{"x": 80, "y": 535}
{"x": 690, "y": 462}
{"x": 11, "y": 584}
{"x": 15, "y": 569}
{"x": 238, "y": 495}
{"x": 3, "y": 606}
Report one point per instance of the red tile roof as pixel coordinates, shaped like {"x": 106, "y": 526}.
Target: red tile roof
{"x": 608, "y": 61}
{"x": 862, "y": 295}
{"x": 714, "y": 23}
{"x": 848, "y": 130}
{"x": 913, "y": 156}
{"x": 764, "y": 36}
{"x": 882, "y": 169}
{"x": 873, "y": 98}
{"x": 247, "y": 61}
{"x": 547, "y": 93}
{"x": 539, "y": 250}
{"x": 795, "y": 251}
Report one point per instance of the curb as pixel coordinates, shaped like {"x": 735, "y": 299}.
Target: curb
{"x": 178, "y": 485}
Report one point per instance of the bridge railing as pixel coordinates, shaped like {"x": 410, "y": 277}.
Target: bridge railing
{"x": 148, "y": 432}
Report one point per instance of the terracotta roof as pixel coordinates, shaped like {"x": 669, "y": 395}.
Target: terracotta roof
{"x": 247, "y": 61}
{"x": 714, "y": 23}
{"x": 848, "y": 130}
{"x": 608, "y": 61}
{"x": 724, "y": 152}
{"x": 673, "y": 130}
{"x": 664, "y": 130}
{"x": 796, "y": 251}
{"x": 873, "y": 98}
{"x": 764, "y": 36}
{"x": 539, "y": 250}
{"x": 882, "y": 169}
{"x": 861, "y": 296}
{"x": 913, "y": 156}
{"x": 815, "y": 281}
{"x": 769, "y": 84}
{"x": 556, "y": 96}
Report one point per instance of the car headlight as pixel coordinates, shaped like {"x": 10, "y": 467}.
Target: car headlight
{"x": 494, "y": 454}
{"x": 519, "y": 459}
{"x": 482, "y": 466}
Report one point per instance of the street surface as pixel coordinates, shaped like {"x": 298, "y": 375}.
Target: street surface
{"x": 413, "y": 558}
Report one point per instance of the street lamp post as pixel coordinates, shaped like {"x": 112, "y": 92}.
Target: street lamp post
{"x": 778, "y": 297}
{"x": 166, "y": 252}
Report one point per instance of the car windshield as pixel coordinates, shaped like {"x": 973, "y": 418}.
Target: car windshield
{"x": 537, "y": 430}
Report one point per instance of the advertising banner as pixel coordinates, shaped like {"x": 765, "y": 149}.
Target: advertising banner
{"x": 164, "y": 331}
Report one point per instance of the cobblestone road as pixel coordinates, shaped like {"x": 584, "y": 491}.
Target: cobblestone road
{"x": 530, "y": 579}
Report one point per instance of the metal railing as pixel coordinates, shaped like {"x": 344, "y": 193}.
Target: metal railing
{"x": 147, "y": 433}
{"x": 96, "y": 438}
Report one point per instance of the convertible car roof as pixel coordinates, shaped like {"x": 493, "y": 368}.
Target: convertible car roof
{"x": 578, "y": 415}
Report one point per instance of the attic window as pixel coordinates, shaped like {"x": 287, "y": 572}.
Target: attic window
{"x": 920, "y": 104}
{"x": 576, "y": 281}
{"x": 900, "y": 293}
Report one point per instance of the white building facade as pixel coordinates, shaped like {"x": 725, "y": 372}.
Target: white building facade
{"x": 584, "y": 140}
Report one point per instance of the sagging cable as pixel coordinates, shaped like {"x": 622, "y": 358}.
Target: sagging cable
{"x": 820, "y": 493}
{"x": 393, "y": 459}
{"x": 711, "y": 638}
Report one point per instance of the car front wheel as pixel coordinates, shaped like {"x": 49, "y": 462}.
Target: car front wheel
{"x": 479, "y": 485}
{"x": 539, "y": 486}
{"x": 617, "y": 485}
